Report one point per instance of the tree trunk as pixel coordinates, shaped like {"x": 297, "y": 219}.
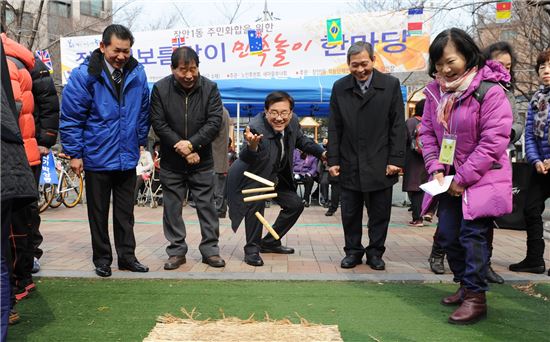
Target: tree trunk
{"x": 36, "y": 23}
{"x": 20, "y": 14}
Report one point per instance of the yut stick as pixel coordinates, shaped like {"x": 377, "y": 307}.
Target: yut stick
{"x": 267, "y": 226}
{"x": 253, "y": 190}
{"x": 259, "y": 179}
{"x": 259, "y": 197}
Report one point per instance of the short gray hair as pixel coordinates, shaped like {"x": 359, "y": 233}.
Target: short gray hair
{"x": 359, "y": 47}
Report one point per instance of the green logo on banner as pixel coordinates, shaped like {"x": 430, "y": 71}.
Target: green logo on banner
{"x": 334, "y": 32}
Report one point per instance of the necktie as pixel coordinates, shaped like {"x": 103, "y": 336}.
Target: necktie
{"x": 363, "y": 86}
{"x": 117, "y": 76}
{"x": 279, "y": 143}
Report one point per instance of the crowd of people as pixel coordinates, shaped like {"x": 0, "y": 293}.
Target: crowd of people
{"x": 463, "y": 129}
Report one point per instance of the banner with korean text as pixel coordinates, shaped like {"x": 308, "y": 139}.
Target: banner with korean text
{"x": 289, "y": 49}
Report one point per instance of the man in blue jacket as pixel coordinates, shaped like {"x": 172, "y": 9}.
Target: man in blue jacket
{"x": 104, "y": 121}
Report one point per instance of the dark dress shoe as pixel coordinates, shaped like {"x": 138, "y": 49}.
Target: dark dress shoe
{"x": 133, "y": 266}
{"x": 376, "y": 263}
{"x": 214, "y": 261}
{"x": 103, "y": 270}
{"x": 276, "y": 249}
{"x": 330, "y": 212}
{"x": 350, "y": 261}
{"x": 253, "y": 259}
{"x": 530, "y": 266}
{"x": 493, "y": 277}
{"x": 174, "y": 262}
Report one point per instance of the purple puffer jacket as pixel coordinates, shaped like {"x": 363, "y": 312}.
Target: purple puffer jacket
{"x": 481, "y": 163}
{"x": 303, "y": 166}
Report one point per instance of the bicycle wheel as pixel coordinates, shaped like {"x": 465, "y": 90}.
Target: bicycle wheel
{"x": 72, "y": 188}
{"x": 45, "y": 196}
{"x": 56, "y": 196}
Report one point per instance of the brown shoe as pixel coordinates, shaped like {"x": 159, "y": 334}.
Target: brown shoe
{"x": 174, "y": 262}
{"x": 454, "y": 299}
{"x": 214, "y": 261}
{"x": 472, "y": 310}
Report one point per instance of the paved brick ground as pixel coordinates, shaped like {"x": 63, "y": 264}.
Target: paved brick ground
{"x": 318, "y": 241}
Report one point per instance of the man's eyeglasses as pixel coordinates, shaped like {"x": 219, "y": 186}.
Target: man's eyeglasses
{"x": 284, "y": 114}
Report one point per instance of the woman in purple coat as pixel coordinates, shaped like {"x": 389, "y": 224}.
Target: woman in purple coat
{"x": 466, "y": 137}
{"x": 305, "y": 170}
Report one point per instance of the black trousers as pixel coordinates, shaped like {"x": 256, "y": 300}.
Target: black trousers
{"x": 539, "y": 191}
{"x": 291, "y": 209}
{"x": 99, "y": 187}
{"x": 416, "y": 198}
{"x": 378, "y": 204}
{"x": 25, "y": 238}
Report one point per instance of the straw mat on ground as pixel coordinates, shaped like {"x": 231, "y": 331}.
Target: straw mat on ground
{"x": 171, "y": 328}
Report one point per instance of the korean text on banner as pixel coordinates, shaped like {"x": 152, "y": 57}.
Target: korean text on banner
{"x": 290, "y": 49}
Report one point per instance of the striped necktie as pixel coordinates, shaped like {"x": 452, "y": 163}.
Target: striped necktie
{"x": 117, "y": 76}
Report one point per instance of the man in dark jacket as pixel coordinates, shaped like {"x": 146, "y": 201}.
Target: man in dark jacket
{"x": 17, "y": 190}
{"x": 46, "y": 119}
{"x": 366, "y": 149}
{"x": 104, "y": 121}
{"x": 268, "y": 152}
{"x": 186, "y": 112}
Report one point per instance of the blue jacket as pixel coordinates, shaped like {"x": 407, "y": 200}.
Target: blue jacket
{"x": 536, "y": 149}
{"x": 95, "y": 124}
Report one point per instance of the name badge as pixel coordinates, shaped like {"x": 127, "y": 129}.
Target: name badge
{"x": 448, "y": 146}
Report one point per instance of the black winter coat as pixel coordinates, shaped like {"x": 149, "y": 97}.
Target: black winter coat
{"x": 263, "y": 161}
{"x": 415, "y": 172}
{"x": 178, "y": 115}
{"x": 46, "y": 105}
{"x": 366, "y": 132}
{"x": 16, "y": 176}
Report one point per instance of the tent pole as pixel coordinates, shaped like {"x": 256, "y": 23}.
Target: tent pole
{"x": 237, "y": 136}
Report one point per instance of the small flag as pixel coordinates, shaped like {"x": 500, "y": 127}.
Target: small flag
{"x": 44, "y": 56}
{"x": 416, "y": 11}
{"x": 177, "y": 42}
{"x": 415, "y": 20}
{"x": 255, "y": 42}
{"x": 334, "y": 32}
{"x": 48, "y": 174}
{"x": 504, "y": 11}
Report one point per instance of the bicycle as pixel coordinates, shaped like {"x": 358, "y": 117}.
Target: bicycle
{"x": 69, "y": 189}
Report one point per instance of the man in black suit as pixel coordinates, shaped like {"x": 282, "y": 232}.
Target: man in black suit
{"x": 186, "y": 112}
{"x": 366, "y": 149}
{"x": 268, "y": 152}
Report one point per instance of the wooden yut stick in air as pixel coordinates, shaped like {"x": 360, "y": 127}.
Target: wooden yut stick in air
{"x": 259, "y": 179}
{"x": 253, "y": 190}
{"x": 267, "y": 226}
{"x": 259, "y": 197}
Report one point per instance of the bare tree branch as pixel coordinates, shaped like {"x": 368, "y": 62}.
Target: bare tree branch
{"x": 36, "y": 23}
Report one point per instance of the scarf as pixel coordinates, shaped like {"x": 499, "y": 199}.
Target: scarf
{"x": 452, "y": 91}
{"x": 539, "y": 106}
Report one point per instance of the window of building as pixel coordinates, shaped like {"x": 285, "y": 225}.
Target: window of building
{"x": 92, "y": 8}
{"x": 60, "y": 8}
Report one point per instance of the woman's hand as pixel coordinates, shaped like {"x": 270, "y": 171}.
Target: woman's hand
{"x": 539, "y": 166}
{"x": 455, "y": 190}
{"x": 440, "y": 176}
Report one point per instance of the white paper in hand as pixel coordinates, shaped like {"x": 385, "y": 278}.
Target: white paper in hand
{"x": 433, "y": 188}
